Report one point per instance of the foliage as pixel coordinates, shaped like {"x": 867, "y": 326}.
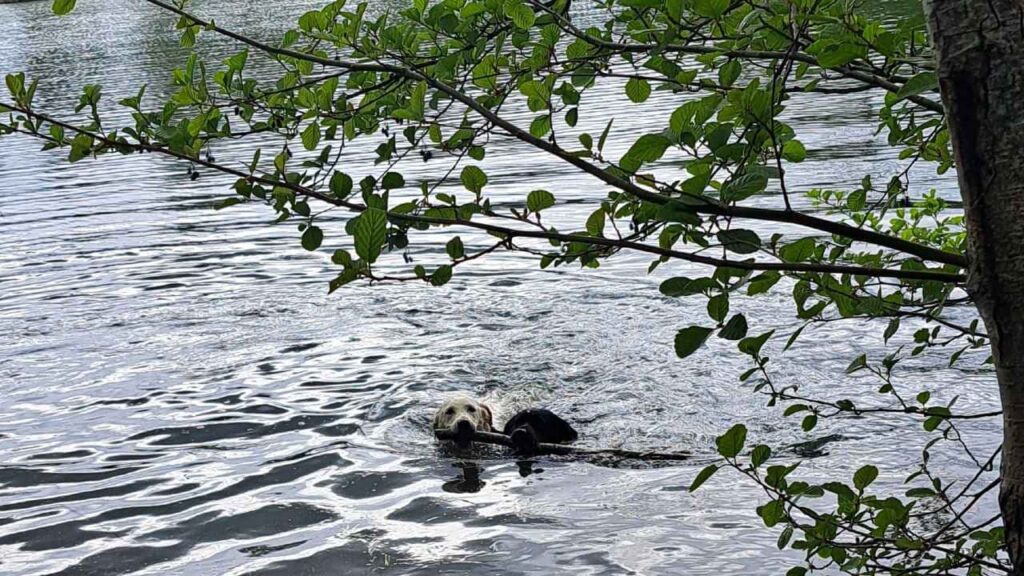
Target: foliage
{"x": 435, "y": 81}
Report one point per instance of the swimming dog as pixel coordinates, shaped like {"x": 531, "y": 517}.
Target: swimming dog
{"x": 533, "y": 426}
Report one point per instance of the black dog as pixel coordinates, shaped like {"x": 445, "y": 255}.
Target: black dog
{"x": 529, "y": 428}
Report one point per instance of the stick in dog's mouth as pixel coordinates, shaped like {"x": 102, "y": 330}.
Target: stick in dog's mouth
{"x": 464, "y": 432}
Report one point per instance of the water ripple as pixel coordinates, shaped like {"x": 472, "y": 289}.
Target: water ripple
{"x": 178, "y": 394}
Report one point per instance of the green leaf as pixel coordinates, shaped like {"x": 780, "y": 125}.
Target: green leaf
{"x": 729, "y": 73}
{"x": 341, "y": 257}
{"x": 809, "y": 422}
{"x": 347, "y": 275}
{"x": 290, "y": 38}
{"x": 793, "y": 337}
{"x": 752, "y": 346}
{"x": 485, "y": 73}
{"x": 857, "y": 200}
{"x": 521, "y": 14}
{"x": 793, "y": 409}
{"x": 638, "y": 90}
{"x": 222, "y": 204}
{"x": 540, "y": 126}
{"x": 648, "y": 148}
{"x": 370, "y": 234}
{"x": 710, "y": 8}
{"x": 81, "y": 146}
{"x": 572, "y": 116}
{"x": 731, "y": 443}
{"x": 718, "y": 307}
{"x": 674, "y": 8}
{"x": 539, "y": 200}
{"x": 703, "y": 476}
{"x": 312, "y": 237}
{"x": 62, "y": 7}
{"x": 794, "y": 151}
{"x": 858, "y": 363}
{"x": 392, "y": 181}
{"x": 595, "y": 223}
{"x": 919, "y": 84}
{"x": 455, "y": 249}
{"x": 255, "y": 160}
{"x": 15, "y": 84}
{"x": 441, "y": 276}
{"x": 473, "y": 178}
{"x": 772, "y": 513}
{"x": 341, "y": 184}
{"x": 688, "y": 340}
{"x": 417, "y": 100}
{"x": 784, "y": 537}
{"x": 311, "y": 136}
{"x": 865, "y": 476}
{"x": 798, "y": 251}
{"x": 683, "y": 286}
{"x": 237, "y": 62}
{"x": 740, "y": 241}
{"x": 763, "y": 282}
{"x": 735, "y": 329}
{"x": 760, "y": 455}
{"x": 833, "y": 54}
{"x": 744, "y": 186}
{"x": 536, "y": 90}
{"x": 604, "y": 135}
{"x": 676, "y": 211}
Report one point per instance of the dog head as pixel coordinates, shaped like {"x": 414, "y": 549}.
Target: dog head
{"x": 463, "y": 416}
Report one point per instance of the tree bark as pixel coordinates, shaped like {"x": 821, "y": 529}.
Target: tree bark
{"x": 979, "y": 48}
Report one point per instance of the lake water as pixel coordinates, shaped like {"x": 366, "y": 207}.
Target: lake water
{"x": 179, "y": 395}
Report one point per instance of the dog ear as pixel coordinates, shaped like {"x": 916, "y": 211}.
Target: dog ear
{"x": 436, "y": 422}
{"x": 488, "y": 419}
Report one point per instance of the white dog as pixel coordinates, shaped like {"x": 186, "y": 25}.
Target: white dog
{"x": 463, "y": 416}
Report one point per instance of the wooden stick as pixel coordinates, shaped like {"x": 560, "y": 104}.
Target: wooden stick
{"x": 562, "y": 449}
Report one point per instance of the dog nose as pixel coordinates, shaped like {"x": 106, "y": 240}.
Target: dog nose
{"x": 524, "y": 441}
{"x": 464, "y": 427}
{"x": 464, "y": 430}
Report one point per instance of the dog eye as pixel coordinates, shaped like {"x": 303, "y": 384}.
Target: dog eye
{"x": 470, "y": 408}
{"x": 450, "y": 411}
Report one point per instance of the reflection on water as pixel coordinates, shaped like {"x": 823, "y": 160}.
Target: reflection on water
{"x": 468, "y": 479}
{"x": 179, "y": 396}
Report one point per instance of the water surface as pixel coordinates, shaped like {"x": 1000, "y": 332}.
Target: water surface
{"x": 178, "y": 394}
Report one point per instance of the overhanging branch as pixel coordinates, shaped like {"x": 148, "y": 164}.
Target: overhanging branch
{"x": 505, "y": 231}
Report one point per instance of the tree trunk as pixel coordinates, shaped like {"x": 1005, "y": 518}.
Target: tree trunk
{"x": 980, "y": 56}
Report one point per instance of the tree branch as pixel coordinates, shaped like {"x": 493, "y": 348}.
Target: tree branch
{"x": 506, "y": 232}
{"x": 564, "y": 449}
